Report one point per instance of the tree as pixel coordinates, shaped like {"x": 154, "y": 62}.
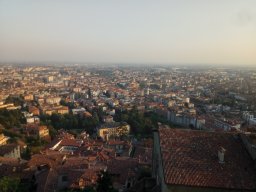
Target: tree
{"x": 143, "y": 84}
{"x": 95, "y": 118}
{"x": 53, "y": 132}
{"x": 8, "y": 184}
{"x": 16, "y": 100}
{"x": 26, "y": 154}
{"x": 11, "y": 118}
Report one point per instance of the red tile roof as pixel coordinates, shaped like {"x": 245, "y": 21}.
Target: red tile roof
{"x": 52, "y": 160}
{"x": 191, "y": 158}
{"x": 124, "y": 167}
{"x": 70, "y": 142}
{"x": 75, "y": 168}
{"x": 116, "y": 142}
{"x": 143, "y": 154}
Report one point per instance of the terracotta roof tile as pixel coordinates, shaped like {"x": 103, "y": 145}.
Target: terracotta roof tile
{"x": 123, "y": 167}
{"x": 191, "y": 158}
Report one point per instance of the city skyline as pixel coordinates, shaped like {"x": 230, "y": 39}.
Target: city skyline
{"x": 148, "y": 32}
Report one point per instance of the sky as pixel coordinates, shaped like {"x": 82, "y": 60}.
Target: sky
{"x": 131, "y": 31}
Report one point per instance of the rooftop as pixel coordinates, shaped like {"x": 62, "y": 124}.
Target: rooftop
{"x": 191, "y": 158}
{"x": 5, "y": 149}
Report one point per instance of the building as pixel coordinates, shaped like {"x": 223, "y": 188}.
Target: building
{"x": 36, "y": 131}
{"x": 58, "y": 109}
{"x": 9, "y": 105}
{"x": 108, "y": 119}
{"x": 43, "y": 131}
{"x": 34, "y": 110}
{"x": 189, "y": 160}
{"x": 66, "y": 145}
{"x": 178, "y": 117}
{"x": 78, "y": 111}
{"x": 63, "y": 110}
{"x": 53, "y": 100}
{"x": 3, "y": 139}
{"x": 69, "y": 145}
{"x": 10, "y": 150}
{"x": 29, "y": 97}
{"x": 116, "y": 145}
{"x": 249, "y": 118}
{"x": 114, "y": 129}
{"x": 123, "y": 171}
{"x": 33, "y": 119}
{"x": 59, "y": 172}
{"x": 50, "y": 79}
{"x": 226, "y": 125}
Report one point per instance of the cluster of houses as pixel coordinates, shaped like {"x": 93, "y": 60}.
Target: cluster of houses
{"x": 213, "y": 153}
{"x": 75, "y": 163}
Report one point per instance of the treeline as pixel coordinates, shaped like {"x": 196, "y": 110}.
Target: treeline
{"x": 11, "y": 118}
{"x": 141, "y": 123}
{"x": 13, "y": 184}
{"x": 16, "y": 100}
{"x": 70, "y": 121}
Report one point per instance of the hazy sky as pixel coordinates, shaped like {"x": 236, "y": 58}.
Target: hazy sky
{"x": 131, "y": 31}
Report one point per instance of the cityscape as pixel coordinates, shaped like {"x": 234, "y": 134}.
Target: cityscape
{"x": 61, "y": 126}
{"x": 95, "y": 124}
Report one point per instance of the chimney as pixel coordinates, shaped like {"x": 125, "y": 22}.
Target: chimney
{"x": 221, "y": 154}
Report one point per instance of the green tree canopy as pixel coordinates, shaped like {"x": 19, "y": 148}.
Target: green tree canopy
{"x": 8, "y": 184}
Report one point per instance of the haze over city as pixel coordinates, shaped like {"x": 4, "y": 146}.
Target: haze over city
{"x": 148, "y": 32}
{"x": 127, "y": 96}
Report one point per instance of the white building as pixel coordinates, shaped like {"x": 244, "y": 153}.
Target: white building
{"x": 249, "y": 118}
